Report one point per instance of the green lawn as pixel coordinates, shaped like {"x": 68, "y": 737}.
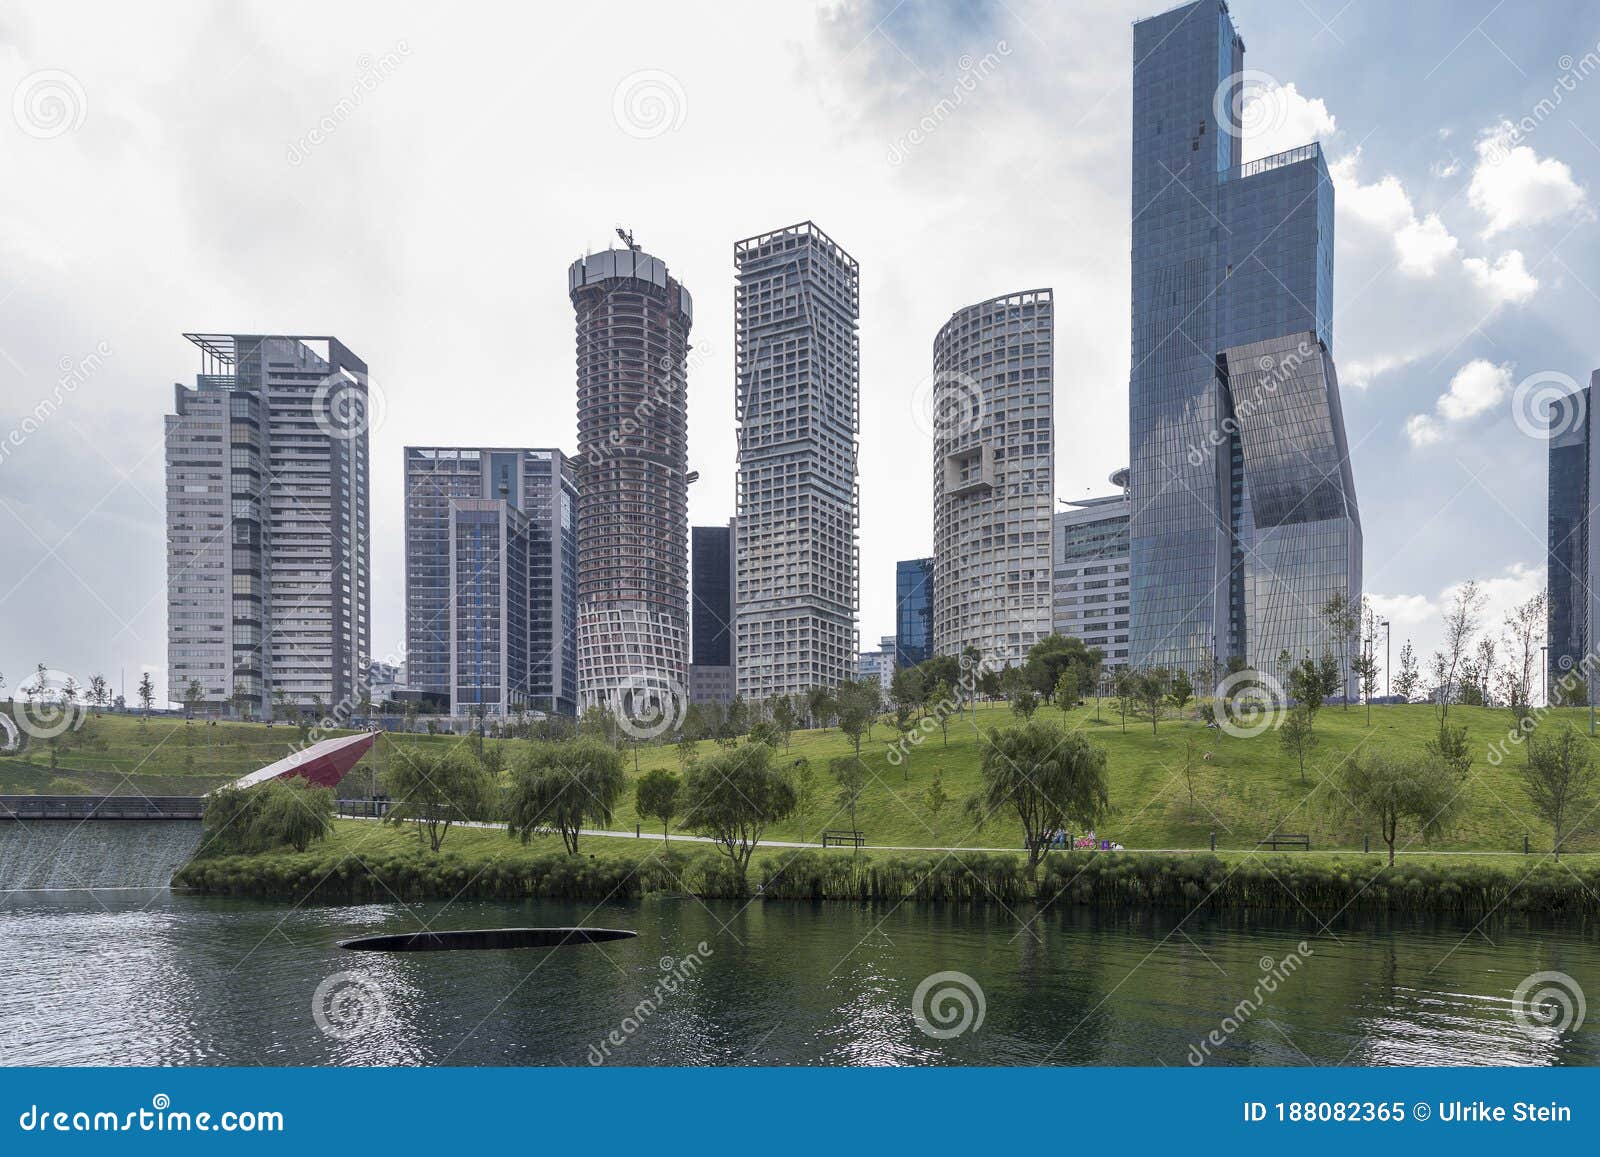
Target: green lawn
{"x": 1247, "y": 789}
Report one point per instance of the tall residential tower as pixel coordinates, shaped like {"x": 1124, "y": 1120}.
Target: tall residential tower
{"x": 268, "y": 587}
{"x": 796, "y": 395}
{"x": 1244, "y": 519}
{"x": 633, "y": 322}
{"x": 993, "y": 476}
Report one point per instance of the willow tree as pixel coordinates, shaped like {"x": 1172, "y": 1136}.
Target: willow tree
{"x": 1051, "y": 781}
{"x": 564, "y": 787}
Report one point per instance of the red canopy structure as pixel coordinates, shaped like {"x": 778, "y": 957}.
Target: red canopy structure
{"x": 324, "y": 763}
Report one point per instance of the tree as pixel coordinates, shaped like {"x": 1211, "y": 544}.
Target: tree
{"x": 1124, "y": 687}
{"x": 851, "y": 775}
{"x": 943, "y": 696}
{"x": 1066, "y": 692}
{"x": 1150, "y": 693}
{"x": 436, "y": 787}
{"x": 803, "y": 778}
{"x": 934, "y": 798}
{"x": 819, "y": 707}
{"x": 656, "y": 796}
{"x": 1524, "y": 641}
{"x": 1561, "y": 783}
{"x": 99, "y": 690}
{"x": 784, "y": 717}
{"x": 1342, "y": 616}
{"x": 857, "y": 706}
{"x": 1188, "y": 766}
{"x": 1461, "y": 624}
{"x": 40, "y": 687}
{"x": 564, "y": 787}
{"x": 1297, "y": 737}
{"x": 1180, "y": 691}
{"x": 1306, "y": 687}
{"x": 291, "y": 811}
{"x": 732, "y": 798}
{"x": 147, "y": 692}
{"x": 908, "y": 688}
{"x": 1390, "y": 791}
{"x": 1407, "y": 678}
{"x": 1366, "y": 670}
{"x": 1024, "y": 702}
{"x": 686, "y": 750}
{"x": 1051, "y": 781}
{"x": 1451, "y": 749}
{"x": 1055, "y": 654}
{"x": 242, "y": 699}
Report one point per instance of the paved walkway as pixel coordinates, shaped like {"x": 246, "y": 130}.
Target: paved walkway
{"x": 675, "y": 837}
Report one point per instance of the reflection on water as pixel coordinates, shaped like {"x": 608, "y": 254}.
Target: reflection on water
{"x": 157, "y": 978}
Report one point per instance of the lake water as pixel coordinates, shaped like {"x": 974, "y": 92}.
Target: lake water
{"x": 146, "y": 976}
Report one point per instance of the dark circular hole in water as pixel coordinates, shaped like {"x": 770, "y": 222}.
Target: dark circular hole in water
{"x": 468, "y": 939}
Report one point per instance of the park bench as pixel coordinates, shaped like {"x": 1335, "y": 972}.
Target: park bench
{"x": 840, "y": 838}
{"x": 1276, "y": 842}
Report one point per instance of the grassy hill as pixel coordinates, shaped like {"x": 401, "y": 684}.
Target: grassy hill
{"x": 1245, "y": 790}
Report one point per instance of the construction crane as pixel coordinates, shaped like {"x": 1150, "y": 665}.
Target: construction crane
{"x": 627, "y": 238}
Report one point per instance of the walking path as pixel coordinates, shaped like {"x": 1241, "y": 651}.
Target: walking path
{"x": 687, "y": 839}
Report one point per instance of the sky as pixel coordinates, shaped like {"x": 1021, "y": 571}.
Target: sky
{"x": 416, "y": 178}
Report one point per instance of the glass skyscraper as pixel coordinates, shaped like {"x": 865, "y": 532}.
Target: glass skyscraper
{"x": 913, "y": 611}
{"x": 1244, "y": 518}
{"x": 1568, "y": 564}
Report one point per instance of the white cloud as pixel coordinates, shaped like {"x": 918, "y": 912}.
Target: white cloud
{"x": 1423, "y": 430}
{"x": 1477, "y": 387}
{"x": 1403, "y": 610}
{"x": 1423, "y": 244}
{"x": 1513, "y": 186}
{"x": 1283, "y": 119}
{"x": 1507, "y": 280}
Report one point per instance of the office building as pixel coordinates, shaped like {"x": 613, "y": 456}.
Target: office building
{"x": 633, "y": 321}
{"x": 797, "y": 381}
{"x": 1244, "y": 517}
{"x": 913, "y": 611}
{"x": 711, "y": 586}
{"x": 491, "y": 590}
{"x": 268, "y": 576}
{"x": 878, "y": 665}
{"x": 1573, "y": 488}
{"x": 993, "y": 476}
{"x": 1091, "y": 579}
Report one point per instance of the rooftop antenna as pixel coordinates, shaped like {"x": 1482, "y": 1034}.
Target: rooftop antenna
{"x": 627, "y": 238}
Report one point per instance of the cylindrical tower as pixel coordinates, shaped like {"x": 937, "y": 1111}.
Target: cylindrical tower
{"x": 993, "y": 489}
{"x": 633, "y": 490}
